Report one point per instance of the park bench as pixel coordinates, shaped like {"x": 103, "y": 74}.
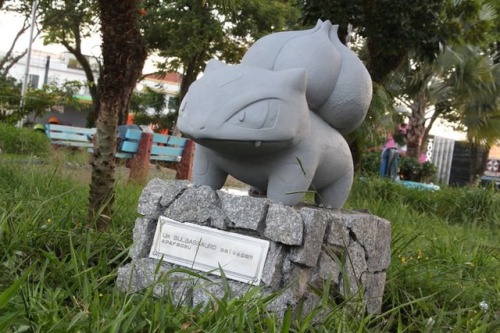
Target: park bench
{"x": 138, "y": 147}
{"x": 70, "y": 136}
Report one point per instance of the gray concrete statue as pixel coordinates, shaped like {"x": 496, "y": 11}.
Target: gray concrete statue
{"x": 276, "y": 120}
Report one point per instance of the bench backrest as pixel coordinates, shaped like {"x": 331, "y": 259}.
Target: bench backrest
{"x": 165, "y": 147}
{"x": 70, "y": 135}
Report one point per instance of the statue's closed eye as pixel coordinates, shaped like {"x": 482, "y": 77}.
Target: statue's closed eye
{"x": 259, "y": 115}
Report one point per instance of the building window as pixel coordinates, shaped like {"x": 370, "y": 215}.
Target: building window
{"x": 172, "y": 103}
{"x": 33, "y": 81}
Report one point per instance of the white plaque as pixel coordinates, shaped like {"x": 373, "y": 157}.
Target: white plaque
{"x": 241, "y": 257}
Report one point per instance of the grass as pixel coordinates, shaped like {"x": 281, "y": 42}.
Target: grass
{"x": 56, "y": 275}
{"x": 445, "y": 248}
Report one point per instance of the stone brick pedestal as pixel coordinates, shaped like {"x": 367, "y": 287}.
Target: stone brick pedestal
{"x": 308, "y": 246}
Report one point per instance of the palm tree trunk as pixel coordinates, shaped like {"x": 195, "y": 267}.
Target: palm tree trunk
{"x": 416, "y": 127}
{"x": 124, "y": 53}
{"x": 478, "y": 159}
{"x": 473, "y": 161}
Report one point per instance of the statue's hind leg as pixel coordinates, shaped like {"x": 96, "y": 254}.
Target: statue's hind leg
{"x": 288, "y": 183}
{"x": 335, "y": 194}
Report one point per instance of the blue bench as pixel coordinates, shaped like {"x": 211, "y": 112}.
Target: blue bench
{"x": 70, "y": 136}
{"x": 165, "y": 148}
{"x": 158, "y": 147}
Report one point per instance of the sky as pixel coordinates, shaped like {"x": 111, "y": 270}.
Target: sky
{"x": 10, "y": 24}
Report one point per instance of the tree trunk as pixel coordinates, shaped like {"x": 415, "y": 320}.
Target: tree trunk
{"x": 89, "y": 75}
{"x": 416, "y": 127}
{"x": 190, "y": 74}
{"x": 8, "y": 60}
{"x": 94, "y": 111}
{"x": 473, "y": 161}
{"x": 124, "y": 53}
{"x": 478, "y": 160}
{"x": 484, "y": 159}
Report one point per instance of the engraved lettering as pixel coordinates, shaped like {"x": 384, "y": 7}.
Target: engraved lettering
{"x": 195, "y": 242}
{"x": 239, "y": 254}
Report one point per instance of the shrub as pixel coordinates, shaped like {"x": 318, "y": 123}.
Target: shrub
{"x": 463, "y": 206}
{"x": 370, "y": 163}
{"x": 409, "y": 167}
{"x": 427, "y": 172}
{"x": 23, "y": 141}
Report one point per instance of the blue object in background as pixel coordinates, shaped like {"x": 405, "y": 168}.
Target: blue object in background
{"x": 389, "y": 167}
{"x": 418, "y": 186}
{"x": 389, "y": 164}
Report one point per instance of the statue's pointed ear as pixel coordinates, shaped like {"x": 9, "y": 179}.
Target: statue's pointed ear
{"x": 317, "y": 26}
{"x": 214, "y": 64}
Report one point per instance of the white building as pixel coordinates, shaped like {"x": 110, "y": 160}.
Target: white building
{"x": 46, "y": 67}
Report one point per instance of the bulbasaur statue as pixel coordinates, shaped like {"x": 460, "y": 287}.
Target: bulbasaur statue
{"x": 276, "y": 120}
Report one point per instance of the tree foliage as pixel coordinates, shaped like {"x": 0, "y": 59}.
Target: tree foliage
{"x": 477, "y": 103}
{"x": 436, "y": 88}
{"x": 35, "y": 101}
{"x": 69, "y": 22}
{"x": 188, "y": 33}
{"x": 406, "y": 45}
{"x": 149, "y": 105}
{"x": 391, "y": 28}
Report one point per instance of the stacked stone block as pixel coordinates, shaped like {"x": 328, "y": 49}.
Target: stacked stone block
{"x": 308, "y": 247}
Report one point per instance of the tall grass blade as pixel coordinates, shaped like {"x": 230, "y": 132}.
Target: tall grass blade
{"x": 11, "y": 291}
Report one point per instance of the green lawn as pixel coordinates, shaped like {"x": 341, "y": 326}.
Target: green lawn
{"x": 57, "y": 275}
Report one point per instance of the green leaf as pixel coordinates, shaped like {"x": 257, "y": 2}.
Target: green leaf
{"x": 6, "y": 320}
{"x": 10, "y": 292}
